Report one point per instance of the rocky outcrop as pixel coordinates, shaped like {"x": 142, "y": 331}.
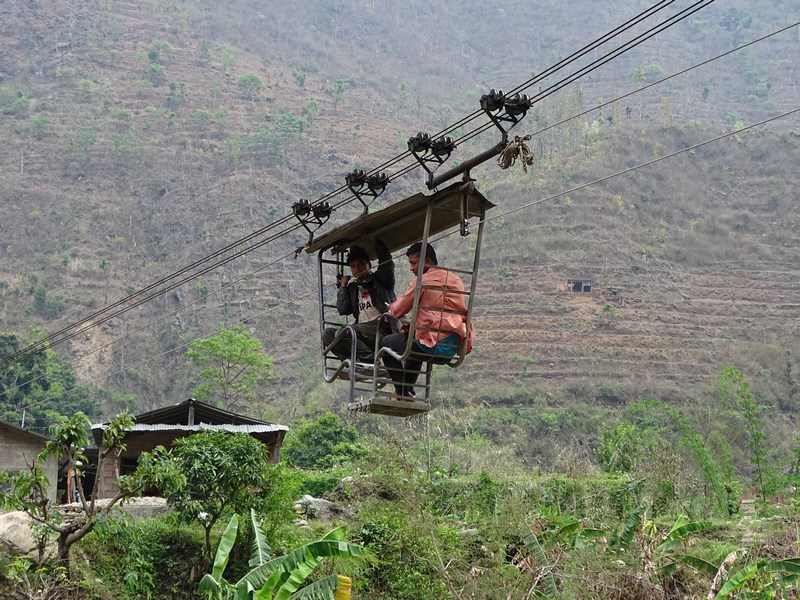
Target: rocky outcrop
{"x": 16, "y": 536}
{"x": 320, "y": 509}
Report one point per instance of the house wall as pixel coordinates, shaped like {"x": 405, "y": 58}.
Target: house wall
{"x": 136, "y": 443}
{"x": 18, "y": 449}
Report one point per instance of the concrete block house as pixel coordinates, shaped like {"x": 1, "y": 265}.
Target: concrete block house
{"x": 20, "y": 447}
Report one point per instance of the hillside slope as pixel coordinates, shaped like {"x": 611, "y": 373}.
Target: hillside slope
{"x": 133, "y": 147}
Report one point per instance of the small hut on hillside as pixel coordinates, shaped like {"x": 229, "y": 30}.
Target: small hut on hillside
{"x": 162, "y": 426}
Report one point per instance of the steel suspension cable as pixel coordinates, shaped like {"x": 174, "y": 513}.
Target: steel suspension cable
{"x": 700, "y": 4}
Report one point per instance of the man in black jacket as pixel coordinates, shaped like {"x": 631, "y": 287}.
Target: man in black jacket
{"x": 365, "y": 295}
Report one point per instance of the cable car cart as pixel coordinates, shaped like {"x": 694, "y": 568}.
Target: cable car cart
{"x": 417, "y": 218}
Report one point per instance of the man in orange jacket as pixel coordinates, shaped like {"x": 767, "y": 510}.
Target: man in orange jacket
{"x": 440, "y": 325}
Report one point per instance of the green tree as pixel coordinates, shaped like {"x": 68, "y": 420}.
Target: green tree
{"x": 735, "y": 394}
{"x": 160, "y": 52}
{"x": 336, "y": 91}
{"x": 78, "y": 157}
{"x": 87, "y": 89}
{"x": 224, "y": 472}
{"x": 287, "y": 127}
{"x": 311, "y": 110}
{"x": 227, "y": 58}
{"x": 13, "y": 102}
{"x": 620, "y": 448}
{"x": 400, "y": 99}
{"x": 250, "y": 84}
{"x": 37, "y": 388}
{"x": 234, "y": 366}
{"x": 157, "y": 73}
{"x": 609, "y": 316}
{"x": 299, "y": 77}
{"x": 127, "y": 151}
{"x": 177, "y": 94}
{"x": 718, "y": 476}
{"x": 322, "y": 443}
{"x": 221, "y": 116}
{"x": 232, "y": 149}
{"x": 105, "y": 266}
{"x": 69, "y": 438}
{"x": 46, "y": 306}
{"x": 39, "y": 127}
{"x": 736, "y": 21}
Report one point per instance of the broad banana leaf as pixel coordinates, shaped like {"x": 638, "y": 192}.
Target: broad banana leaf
{"x": 296, "y": 578}
{"x": 265, "y": 593}
{"x": 741, "y": 577}
{"x": 330, "y": 545}
{"x": 209, "y": 587}
{"x": 333, "y": 587}
{"x": 537, "y": 552}
{"x": 678, "y": 533}
{"x": 696, "y": 563}
{"x": 679, "y": 522}
{"x": 787, "y": 565}
{"x": 224, "y": 549}
{"x": 625, "y": 537}
{"x": 212, "y": 583}
{"x": 261, "y": 548}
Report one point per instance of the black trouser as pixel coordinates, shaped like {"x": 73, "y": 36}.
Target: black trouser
{"x": 403, "y": 376}
{"x": 365, "y": 340}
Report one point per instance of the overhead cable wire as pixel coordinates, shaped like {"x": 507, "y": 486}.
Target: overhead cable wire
{"x": 151, "y": 323}
{"x": 644, "y": 164}
{"x": 667, "y": 78}
{"x": 92, "y": 318}
{"x": 540, "y": 76}
{"x": 677, "y": 17}
{"x": 84, "y": 325}
{"x": 569, "y": 59}
{"x": 109, "y": 308}
{"x": 687, "y": 12}
{"x": 90, "y": 323}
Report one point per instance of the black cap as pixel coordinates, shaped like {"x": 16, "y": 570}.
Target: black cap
{"x": 357, "y": 253}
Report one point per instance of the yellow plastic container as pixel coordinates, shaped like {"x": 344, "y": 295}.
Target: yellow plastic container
{"x": 343, "y": 589}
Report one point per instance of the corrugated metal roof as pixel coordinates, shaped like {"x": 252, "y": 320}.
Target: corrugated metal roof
{"x": 200, "y": 412}
{"x": 179, "y": 414}
{"x": 203, "y": 416}
{"x": 206, "y": 426}
{"x": 19, "y": 429}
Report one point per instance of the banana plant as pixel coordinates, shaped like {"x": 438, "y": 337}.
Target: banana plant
{"x": 764, "y": 578}
{"x": 676, "y": 538}
{"x": 660, "y": 553}
{"x": 279, "y": 578}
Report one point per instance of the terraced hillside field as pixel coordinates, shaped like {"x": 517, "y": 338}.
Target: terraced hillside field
{"x": 659, "y": 333}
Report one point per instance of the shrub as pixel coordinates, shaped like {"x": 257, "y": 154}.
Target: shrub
{"x": 250, "y": 84}
{"x": 156, "y": 73}
{"x": 13, "y": 102}
{"x": 145, "y": 559}
{"x": 322, "y": 443}
{"x": 39, "y": 127}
